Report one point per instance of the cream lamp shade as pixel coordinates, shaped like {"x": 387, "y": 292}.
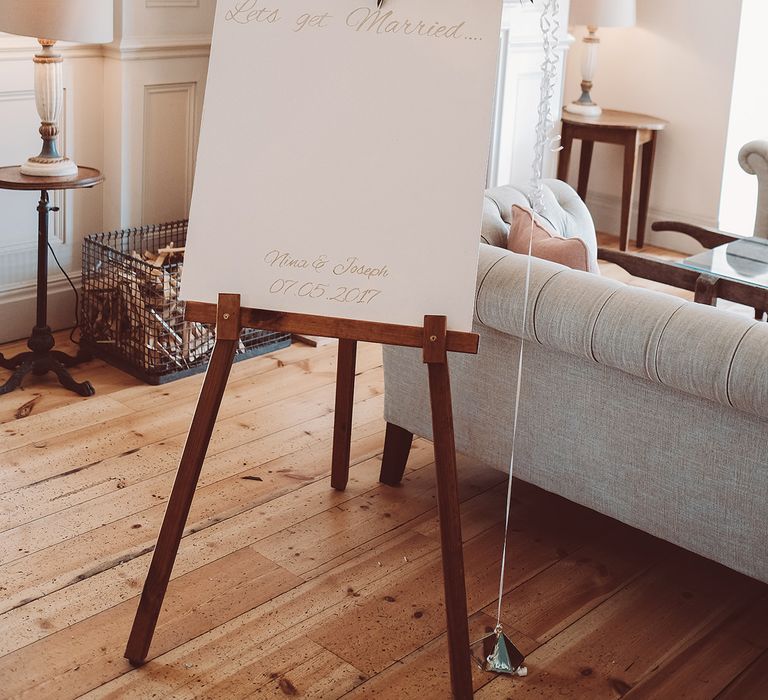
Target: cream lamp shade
{"x": 49, "y": 21}
{"x": 594, "y": 14}
{"x": 603, "y": 13}
{"x": 83, "y": 21}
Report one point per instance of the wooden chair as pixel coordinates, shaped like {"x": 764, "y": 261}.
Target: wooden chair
{"x": 707, "y": 289}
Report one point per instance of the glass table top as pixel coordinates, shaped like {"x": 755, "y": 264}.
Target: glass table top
{"x": 744, "y": 260}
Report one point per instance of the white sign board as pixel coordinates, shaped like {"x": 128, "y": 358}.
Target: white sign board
{"x": 343, "y": 156}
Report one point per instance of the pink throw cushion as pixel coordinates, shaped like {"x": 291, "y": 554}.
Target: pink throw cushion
{"x": 571, "y": 252}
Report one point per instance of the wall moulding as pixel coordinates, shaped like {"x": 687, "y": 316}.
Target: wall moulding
{"x": 58, "y": 229}
{"x": 27, "y": 290}
{"x": 132, "y": 49}
{"x": 160, "y": 199}
{"x": 20, "y": 48}
{"x": 17, "y": 250}
{"x": 18, "y": 304}
{"x": 157, "y": 48}
{"x": 19, "y": 262}
{"x": 172, "y": 3}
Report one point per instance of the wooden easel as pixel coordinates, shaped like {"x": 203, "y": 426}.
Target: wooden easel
{"x": 230, "y": 318}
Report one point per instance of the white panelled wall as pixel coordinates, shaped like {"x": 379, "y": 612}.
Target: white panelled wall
{"x": 133, "y": 109}
{"x": 518, "y": 92}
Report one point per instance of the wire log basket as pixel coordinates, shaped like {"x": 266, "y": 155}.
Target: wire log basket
{"x": 131, "y": 312}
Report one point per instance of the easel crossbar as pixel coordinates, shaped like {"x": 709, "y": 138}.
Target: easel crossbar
{"x": 329, "y": 327}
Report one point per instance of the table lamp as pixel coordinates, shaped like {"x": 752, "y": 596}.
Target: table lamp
{"x": 49, "y": 21}
{"x": 594, "y": 14}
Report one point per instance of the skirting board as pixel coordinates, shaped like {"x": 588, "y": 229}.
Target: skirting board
{"x": 606, "y": 212}
{"x": 17, "y": 308}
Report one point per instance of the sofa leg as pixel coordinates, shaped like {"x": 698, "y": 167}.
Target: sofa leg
{"x": 397, "y": 445}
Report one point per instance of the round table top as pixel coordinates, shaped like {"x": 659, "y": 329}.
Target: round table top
{"x": 12, "y": 179}
{"x": 615, "y": 119}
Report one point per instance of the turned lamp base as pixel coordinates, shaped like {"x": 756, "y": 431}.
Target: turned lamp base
{"x": 36, "y": 167}
{"x": 584, "y": 105}
{"x": 584, "y": 109}
{"x": 49, "y": 96}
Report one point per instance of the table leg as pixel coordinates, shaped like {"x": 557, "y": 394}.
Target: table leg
{"x": 649, "y": 157}
{"x": 43, "y": 209}
{"x": 630, "y": 166}
{"x": 706, "y": 290}
{"x": 564, "y": 162}
{"x": 41, "y": 357}
{"x": 585, "y": 165}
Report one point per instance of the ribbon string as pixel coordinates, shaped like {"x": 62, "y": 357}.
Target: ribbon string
{"x": 550, "y": 28}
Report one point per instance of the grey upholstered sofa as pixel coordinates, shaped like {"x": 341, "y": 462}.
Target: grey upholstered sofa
{"x": 642, "y": 406}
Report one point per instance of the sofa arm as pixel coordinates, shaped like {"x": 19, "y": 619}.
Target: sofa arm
{"x": 704, "y": 236}
{"x": 571, "y": 215}
{"x": 563, "y": 209}
{"x": 753, "y": 158}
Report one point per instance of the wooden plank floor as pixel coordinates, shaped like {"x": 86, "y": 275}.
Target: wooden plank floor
{"x": 286, "y": 588}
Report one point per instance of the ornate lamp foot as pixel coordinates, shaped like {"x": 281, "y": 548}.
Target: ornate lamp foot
{"x": 22, "y": 370}
{"x": 11, "y": 362}
{"x": 41, "y": 363}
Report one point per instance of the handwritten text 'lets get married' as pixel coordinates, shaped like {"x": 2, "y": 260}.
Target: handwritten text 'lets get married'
{"x": 361, "y": 19}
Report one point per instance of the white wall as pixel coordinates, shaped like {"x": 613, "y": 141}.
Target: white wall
{"x": 678, "y": 64}
{"x": 133, "y": 110}
{"x": 518, "y": 92}
{"x": 749, "y": 120}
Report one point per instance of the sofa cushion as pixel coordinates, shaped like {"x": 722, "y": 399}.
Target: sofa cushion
{"x": 529, "y": 233}
{"x": 563, "y": 209}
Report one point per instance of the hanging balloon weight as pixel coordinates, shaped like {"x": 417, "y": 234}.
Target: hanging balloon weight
{"x": 496, "y": 653}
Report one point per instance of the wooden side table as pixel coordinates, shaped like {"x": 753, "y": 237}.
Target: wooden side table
{"x": 623, "y": 129}
{"x": 42, "y": 358}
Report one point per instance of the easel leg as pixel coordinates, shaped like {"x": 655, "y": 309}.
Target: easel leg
{"x": 183, "y": 491}
{"x": 342, "y": 427}
{"x": 448, "y": 506}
